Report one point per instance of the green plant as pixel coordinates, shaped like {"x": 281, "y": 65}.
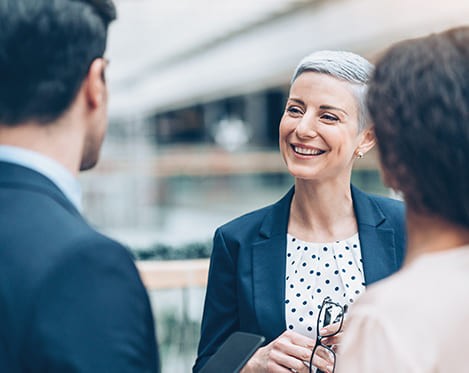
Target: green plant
{"x": 160, "y": 251}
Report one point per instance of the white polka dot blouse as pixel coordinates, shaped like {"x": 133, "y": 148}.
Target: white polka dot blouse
{"x": 315, "y": 271}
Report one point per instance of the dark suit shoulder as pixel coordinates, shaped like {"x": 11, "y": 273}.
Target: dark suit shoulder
{"x": 65, "y": 276}
{"x": 104, "y": 252}
{"x": 91, "y": 290}
{"x": 94, "y": 244}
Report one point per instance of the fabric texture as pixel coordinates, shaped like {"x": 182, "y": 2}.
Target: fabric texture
{"x": 246, "y": 282}
{"x": 414, "y": 321}
{"x": 50, "y": 168}
{"x": 71, "y": 298}
{"x": 316, "y": 271}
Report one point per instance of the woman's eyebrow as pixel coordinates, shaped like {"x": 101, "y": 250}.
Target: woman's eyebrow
{"x": 297, "y": 100}
{"x": 329, "y": 107}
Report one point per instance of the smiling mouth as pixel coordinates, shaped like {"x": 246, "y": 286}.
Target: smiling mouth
{"x": 307, "y": 151}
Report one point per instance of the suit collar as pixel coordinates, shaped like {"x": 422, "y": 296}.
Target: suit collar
{"x": 20, "y": 177}
{"x": 268, "y": 274}
{"x": 46, "y": 166}
{"x": 366, "y": 210}
{"x": 377, "y": 239}
{"x": 276, "y": 222}
{"x": 269, "y": 253}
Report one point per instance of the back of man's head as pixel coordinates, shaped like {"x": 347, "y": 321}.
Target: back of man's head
{"x": 46, "y": 48}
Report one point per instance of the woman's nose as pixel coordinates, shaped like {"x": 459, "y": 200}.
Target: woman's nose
{"x": 306, "y": 127}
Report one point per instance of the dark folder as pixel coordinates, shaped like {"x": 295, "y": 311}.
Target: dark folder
{"x": 233, "y": 353}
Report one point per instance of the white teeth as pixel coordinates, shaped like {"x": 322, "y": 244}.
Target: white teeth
{"x": 307, "y": 151}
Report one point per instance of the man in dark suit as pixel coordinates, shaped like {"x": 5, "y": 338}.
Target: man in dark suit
{"x": 71, "y": 300}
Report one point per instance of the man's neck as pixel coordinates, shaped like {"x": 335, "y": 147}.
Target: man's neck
{"x": 53, "y": 140}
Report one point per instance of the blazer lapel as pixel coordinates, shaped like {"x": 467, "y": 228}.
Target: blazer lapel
{"x": 268, "y": 256}
{"x": 376, "y": 241}
{"x": 269, "y": 253}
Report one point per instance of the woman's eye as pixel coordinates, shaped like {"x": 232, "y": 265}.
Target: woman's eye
{"x": 329, "y": 118}
{"x": 295, "y": 110}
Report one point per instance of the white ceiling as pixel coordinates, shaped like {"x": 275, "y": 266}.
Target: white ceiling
{"x": 170, "y": 54}
{"x": 150, "y": 33}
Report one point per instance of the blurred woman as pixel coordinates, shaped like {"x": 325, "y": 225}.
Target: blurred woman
{"x": 272, "y": 268}
{"x": 415, "y": 321}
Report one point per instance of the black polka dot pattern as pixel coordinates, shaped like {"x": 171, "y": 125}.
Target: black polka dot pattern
{"x": 317, "y": 270}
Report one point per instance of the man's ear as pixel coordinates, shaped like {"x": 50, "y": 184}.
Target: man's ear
{"x": 368, "y": 140}
{"x": 95, "y": 87}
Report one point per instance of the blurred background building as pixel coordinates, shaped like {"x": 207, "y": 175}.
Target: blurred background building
{"x": 197, "y": 91}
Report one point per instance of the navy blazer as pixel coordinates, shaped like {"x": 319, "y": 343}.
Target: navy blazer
{"x": 71, "y": 300}
{"x": 246, "y": 284}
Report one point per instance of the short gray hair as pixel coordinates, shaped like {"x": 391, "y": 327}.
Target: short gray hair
{"x": 346, "y": 66}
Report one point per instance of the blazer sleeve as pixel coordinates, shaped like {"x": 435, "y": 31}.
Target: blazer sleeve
{"x": 220, "y": 317}
{"x": 92, "y": 314}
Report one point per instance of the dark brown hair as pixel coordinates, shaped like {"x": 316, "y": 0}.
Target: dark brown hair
{"x": 418, "y": 99}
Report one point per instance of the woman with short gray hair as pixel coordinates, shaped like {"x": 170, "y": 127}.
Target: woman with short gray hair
{"x": 279, "y": 270}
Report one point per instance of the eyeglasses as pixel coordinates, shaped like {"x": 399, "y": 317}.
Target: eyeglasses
{"x": 329, "y": 313}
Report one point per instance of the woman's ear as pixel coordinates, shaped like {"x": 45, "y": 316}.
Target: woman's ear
{"x": 367, "y": 141}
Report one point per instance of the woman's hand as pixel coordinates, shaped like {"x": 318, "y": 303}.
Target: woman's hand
{"x": 290, "y": 352}
{"x": 333, "y": 341}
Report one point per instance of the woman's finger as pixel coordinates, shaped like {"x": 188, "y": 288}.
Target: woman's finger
{"x": 331, "y": 329}
{"x": 323, "y": 361}
{"x": 324, "y": 354}
{"x": 299, "y": 339}
{"x": 263, "y": 362}
{"x": 334, "y": 340}
{"x": 288, "y": 362}
{"x": 334, "y": 332}
{"x": 296, "y": 345}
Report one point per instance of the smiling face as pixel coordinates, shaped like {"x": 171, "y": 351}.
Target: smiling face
{"x": 318, "y": 132}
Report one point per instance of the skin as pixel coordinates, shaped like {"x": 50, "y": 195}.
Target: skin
{"x": 96, "y": 131}
{"x": 74, "y": 139}
{"x": 319, "y": 141}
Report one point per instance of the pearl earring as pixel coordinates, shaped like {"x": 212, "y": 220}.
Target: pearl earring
{"x": 359, "y": 155}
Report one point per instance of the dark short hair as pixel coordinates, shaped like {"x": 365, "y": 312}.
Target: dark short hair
{"x": 46, "y": 48}
{"x": 418, "y": 99}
